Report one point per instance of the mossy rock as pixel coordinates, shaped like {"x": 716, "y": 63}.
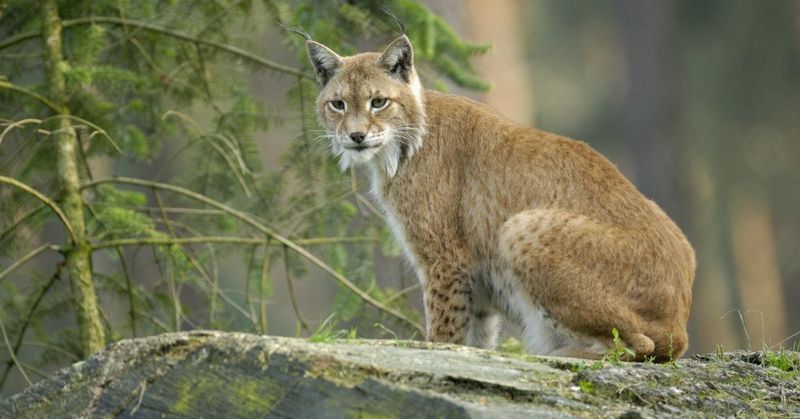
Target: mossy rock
{"x": 215, "y": 374}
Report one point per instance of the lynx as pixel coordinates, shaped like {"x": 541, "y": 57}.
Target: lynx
{"x": 504, "y": 221}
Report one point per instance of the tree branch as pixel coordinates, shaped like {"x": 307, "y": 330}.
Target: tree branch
{"x": 13, "y": 359}
{"x": 262, "y": 289}
{"x": 265, "y": 230}
{"x": 23, "y": 260}
{"x": 290, "y": 287}
{"x": 91, "y": 20}
{"x": 30, "y": 214}
{"x": 26, "y": 321}
{"x": 47, "y": 201}
{"x": 165, "y": 241}
{"x": 19, "y": 89}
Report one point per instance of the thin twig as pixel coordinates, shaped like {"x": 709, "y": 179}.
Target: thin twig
{"x": 250, "y": 260}
{"x": 402, "y": 292}
{"x": 26, "y": 321}
{"x": 290, "y": 286}
{"x": 194, "y": 262}
{"x": 19, "y": 89}
{"x": 262, "y": 288}
{"x": 171, "y": 231}
{"x": 129, "y": 286}
{"x": 42, "y": 345}
{"x": 13, "y": 360}
{"x": 162, "y": 241}
{"x": 141, "y": 397}
{"x": 92, "y": 20}
{"x": 23, "y": 260}
{"x": 247, "y": 218}
{"x": 785, "y": 340}
{"x": 744, "y": 326}
{"x": 47, "y": 201}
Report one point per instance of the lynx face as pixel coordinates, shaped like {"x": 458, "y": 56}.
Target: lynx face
{"x": 370, "y": 104}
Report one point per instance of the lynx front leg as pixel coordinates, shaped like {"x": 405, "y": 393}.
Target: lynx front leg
{"x": 484, "y": 321}
{"x": 446, "y": 294}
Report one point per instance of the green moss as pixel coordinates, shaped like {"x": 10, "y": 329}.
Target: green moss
{"x": 511, "y": 345}
{"x": 784, "y": 360}
{"x": 245, "y": 395}
{"x": 586, "y": 386}
{"x": 366, "y": 415}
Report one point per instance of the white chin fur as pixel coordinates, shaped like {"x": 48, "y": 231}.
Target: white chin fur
{"x": 385, "y": 157}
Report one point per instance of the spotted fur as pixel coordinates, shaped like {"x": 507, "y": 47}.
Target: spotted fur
{"x": 503, "y": 220}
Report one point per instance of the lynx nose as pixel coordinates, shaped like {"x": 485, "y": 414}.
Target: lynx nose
{"x": 358, "y": 137}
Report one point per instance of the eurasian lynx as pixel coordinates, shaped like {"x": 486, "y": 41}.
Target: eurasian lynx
{"x": 501, "y": 219}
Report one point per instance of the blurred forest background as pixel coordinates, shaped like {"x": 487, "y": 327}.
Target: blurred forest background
{"x": 159, "y": 168}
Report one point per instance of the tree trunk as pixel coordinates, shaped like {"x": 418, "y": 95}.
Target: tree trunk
{"x": 78, "y": 254}
{"x": 651, "y": 105}
{"x": 757, "y": 272}
{"x": 506, "y": 65}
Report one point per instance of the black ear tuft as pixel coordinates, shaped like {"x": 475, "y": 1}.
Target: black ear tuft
{"x": 326, "y": 62}
{"x": 398, "y": 59}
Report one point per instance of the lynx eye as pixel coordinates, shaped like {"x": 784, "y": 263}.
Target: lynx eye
{"x": 379, "y": 103}
{"x": 337, "y": 105}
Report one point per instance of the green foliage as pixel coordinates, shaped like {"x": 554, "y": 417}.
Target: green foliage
{"x": 149, "y": 97}
{"x": 511, "y": 345}
{"x": 783, "y": 360}
{"x": 619, "y": 352}
{"x": 586, "y": 386}
{"x": 326, "y": 332}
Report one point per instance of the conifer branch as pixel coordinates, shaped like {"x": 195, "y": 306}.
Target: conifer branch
{"x": 25, "y": 259}
{"x": 12, "y": 359}
{"x": 129, "y": 287}
{"x": 248, "y": 219}
{"x": 290, "y": 288}
{"x": 47, "y": 201}
{"x": 112, "y": 20}
{"x": 30, "y": 214}
{"x": 166, "y": 241}
{"x": 26, "y": 321}
{"x": 30, "y": 93}
{"x": 263, "y": 282}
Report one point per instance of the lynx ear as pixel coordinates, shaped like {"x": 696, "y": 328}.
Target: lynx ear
{"x": 398, "y": 59}
{"x": 326, "y": 62}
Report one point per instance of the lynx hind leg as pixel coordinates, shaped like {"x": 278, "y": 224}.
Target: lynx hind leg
{"x": 485, "y": 322}
{"x": 560, "y": 260}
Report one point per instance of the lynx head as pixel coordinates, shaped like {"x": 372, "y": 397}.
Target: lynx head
{"x": 370, "y": 104}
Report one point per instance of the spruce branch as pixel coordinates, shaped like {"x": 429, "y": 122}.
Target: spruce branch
{"x": 248, "y": 219}
{"x": 25, "y": 259}
{"x": 47, "y": 201}
{"x": 12, "y": 360}
{"x": 27, "y": 92}
{"x": 214, "y": 282}
{"x": 290, "y": 287}
{"x": 111, "y": 20}
{"x": 30, "y": 214}
{"x": 262, "y": 289}
{"x": 26, "y": 321}
{"x": 129, "y": 288}
{"x": 166, "y": 241}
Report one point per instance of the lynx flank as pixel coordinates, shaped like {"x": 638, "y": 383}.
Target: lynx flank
{"x": 500, "y": 219}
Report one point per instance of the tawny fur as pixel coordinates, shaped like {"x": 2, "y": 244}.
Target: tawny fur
{"x": 503, "y": 220}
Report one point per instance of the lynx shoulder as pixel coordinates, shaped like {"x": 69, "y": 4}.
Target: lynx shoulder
{"x": 503, "y": 221}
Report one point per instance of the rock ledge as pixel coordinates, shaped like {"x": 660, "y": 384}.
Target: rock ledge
{"x": 216, "y": 374}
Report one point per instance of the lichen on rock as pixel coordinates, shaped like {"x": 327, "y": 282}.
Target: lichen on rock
{"x": 216, "y": 374}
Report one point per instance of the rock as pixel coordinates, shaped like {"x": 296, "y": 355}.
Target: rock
{"x": 216, "y": 374}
